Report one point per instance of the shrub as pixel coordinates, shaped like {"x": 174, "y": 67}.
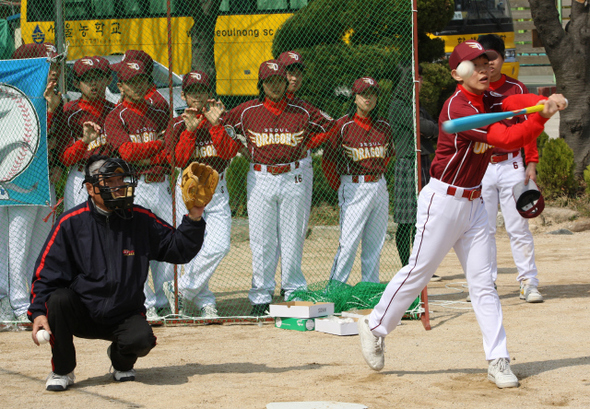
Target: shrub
{"x": 556, "y": 169}
{"x": 437, "y": 86}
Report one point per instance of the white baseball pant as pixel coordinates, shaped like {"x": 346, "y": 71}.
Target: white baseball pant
{"x": 364, "y": 208}
{"x": 26, "y": 233}
{"x": 75, "y": 192}
{"x": 278, "y": 212}
{"x": 497, "y": 186}
{"x": 445, "y": 222}
{"x": 194, "y": 283}
{"x": 157, "y": 197}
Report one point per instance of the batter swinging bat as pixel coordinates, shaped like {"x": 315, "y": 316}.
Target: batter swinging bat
{"x": 478, "y": 120}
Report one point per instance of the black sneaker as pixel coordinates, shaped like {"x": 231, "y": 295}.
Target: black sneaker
{"x": 259, "y": 309}
{"x": 283, "y": 292}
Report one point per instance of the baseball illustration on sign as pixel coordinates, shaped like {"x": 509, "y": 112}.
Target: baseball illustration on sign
{"x": 18, "y": 147}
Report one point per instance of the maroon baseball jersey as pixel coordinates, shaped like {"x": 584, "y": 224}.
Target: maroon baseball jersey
{"x": 462, "y": 158}
{"x": 197, "y": 145}
{"x": 509, "y": 86}
{"x": 69, "y": 130}
{"x": 276, "y": 132}
{"x": 136, "y": 131}
{"x": 360, "y": 146}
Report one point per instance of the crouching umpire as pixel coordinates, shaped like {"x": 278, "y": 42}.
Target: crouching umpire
{"x": 89, "y": 278}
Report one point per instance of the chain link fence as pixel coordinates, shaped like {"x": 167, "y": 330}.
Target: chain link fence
{"x": 318, "y": 169}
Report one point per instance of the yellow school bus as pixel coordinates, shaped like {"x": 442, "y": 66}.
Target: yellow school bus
{"x": 243, "y": 34}
{"x": 473, "y": 18}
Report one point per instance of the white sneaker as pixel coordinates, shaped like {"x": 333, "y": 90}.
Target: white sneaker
{"x": 151, "y": 314}
{"x": 371, "y": 345}
{"x": 59, "y": 383}
{"x": 124, "y": 376}
{"x": 5, "y": 310}
{"x": 120, "y": 376}
{"x": 529, "y": 293}
{"x": 23, "y": 318}
{"x": 209, "y": 311}
{"x": 500, "y": 373}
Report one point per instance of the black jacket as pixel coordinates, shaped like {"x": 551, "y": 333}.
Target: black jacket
{"x": 105, "y": 259}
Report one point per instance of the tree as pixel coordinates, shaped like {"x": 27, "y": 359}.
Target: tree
{"x": 569, "y": 52}
{"x": 204, "y": 13}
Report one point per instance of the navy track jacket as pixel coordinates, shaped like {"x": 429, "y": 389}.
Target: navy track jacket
{"x": 105, "y": 259}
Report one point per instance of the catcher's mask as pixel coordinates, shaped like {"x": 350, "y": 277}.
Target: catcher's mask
{"x": 115, "y": 181}
{"x": 529, "y": 200}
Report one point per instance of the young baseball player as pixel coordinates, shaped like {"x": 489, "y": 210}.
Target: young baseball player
{"x": 451, "y": 213}
{"x": 276, "y": 133}
{"x": 25, "y": 225}
{"x": 356, "y": 158}
{"x": 506, "y": 169}
{"x": 294, "y": 69}
{"x": 80, "y": 129}
{"x": 152, "y": 96}
{"x": 135, "y": 130}
{"x": 199, "y": 137}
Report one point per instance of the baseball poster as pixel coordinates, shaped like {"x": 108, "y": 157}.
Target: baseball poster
{"x": 24, "y": 178}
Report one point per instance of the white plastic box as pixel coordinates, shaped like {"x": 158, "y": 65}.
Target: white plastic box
{"x": 345, "y": 325}
{"x": 302, "y": 309}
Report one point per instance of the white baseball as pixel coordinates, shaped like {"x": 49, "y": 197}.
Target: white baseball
{"x": 465, "y": 69}
{"x": 42, "y": 336}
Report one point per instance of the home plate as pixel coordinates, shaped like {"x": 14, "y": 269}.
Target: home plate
{"x": 315, "y": 405}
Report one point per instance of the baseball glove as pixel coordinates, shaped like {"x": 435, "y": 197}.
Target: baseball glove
{"x": 198, "y": 184}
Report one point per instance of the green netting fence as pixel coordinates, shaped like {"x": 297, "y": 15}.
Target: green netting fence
{"x": 276, "y": 229}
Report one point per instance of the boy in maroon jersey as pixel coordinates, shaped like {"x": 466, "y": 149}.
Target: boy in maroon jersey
{"x": 277, "y": 133}
{"x": 135, "y": 130}
{"x": 506, "y": 169}
{"x": 197, "y": 135}
{"x": 354, "y": 161}
{"x": 152, "y": 95}
{"x": 451, "y": 213}
{"x": 294, "y": 68}
{"x": 80, "y": 129}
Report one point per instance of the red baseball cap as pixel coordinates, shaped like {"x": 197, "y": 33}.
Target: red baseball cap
{"x": 290, "y": 58}
{"x": 271, "y": 68}
{"x": 129, "y": 69}
{"x": 34, "y": 50}
{"x": 467, "y": 51}
{"x": 137, "y": 55}
{"x": 363, "y": 84}
{"x": 86, "y": 64}
{"x": 195, "y": 78}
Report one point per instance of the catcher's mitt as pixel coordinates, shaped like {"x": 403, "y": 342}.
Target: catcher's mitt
{"x": 198, "y": 184}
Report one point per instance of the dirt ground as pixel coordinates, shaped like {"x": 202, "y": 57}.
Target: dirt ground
{"x": 251, "y": 365}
